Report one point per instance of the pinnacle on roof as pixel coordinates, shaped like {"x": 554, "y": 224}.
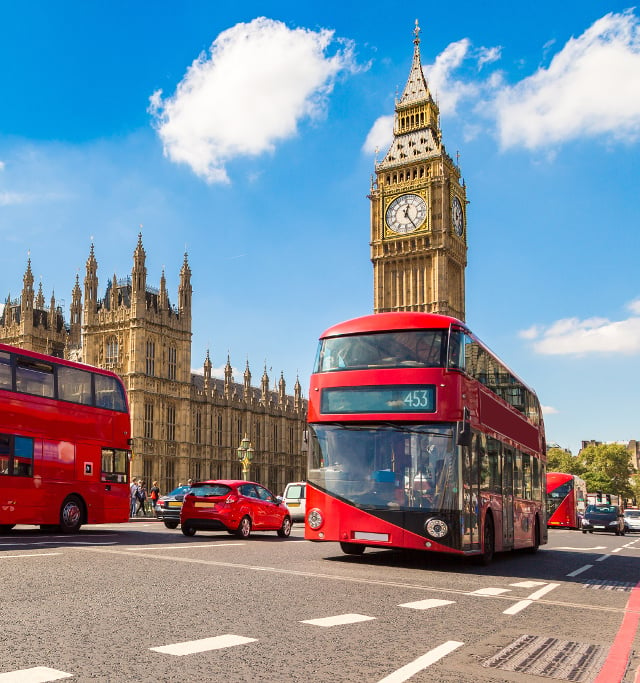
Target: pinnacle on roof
{"x": 416, "y": 87}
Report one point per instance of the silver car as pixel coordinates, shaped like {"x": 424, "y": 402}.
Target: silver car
{"x": 632, "y": 520}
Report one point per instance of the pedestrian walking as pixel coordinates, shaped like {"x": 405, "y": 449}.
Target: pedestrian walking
{"x": 133, "y": 487}
{"x": 154, "y": 494}
{"x": 141, "y": 496}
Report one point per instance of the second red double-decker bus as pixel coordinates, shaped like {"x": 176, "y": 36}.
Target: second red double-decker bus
{"x": 566, "y": 500}
{"x": 419, "y": 437}
{"x": 64, "y": 443}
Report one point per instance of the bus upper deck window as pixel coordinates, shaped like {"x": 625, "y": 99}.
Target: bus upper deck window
{"x": 34, "y": 377}
{"x": 5, "y": 370}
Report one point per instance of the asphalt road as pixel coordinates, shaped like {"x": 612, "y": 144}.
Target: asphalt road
{"x": 141, "y": 602}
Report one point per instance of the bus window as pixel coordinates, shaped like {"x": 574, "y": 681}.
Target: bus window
{"x": 5, "y": 371}
{"x": 34, "y": 377}
{"x": 23, "y": 456}
{"x": 5, "y": 454}
{"x": 526, "y": 475}
{"x": 109, "y": 394}
{"x": 74, "y": 385}
{"x": 114, "y": 465}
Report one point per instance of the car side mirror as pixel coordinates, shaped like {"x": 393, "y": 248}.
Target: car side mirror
{"x": 279, "y": 499}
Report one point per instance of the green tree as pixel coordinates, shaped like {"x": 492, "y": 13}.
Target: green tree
{"x": 559, "y": 460}
{"x": 607, "y": 468}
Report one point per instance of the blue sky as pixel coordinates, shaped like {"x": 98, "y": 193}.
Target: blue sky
{"x": 247, "y": 137}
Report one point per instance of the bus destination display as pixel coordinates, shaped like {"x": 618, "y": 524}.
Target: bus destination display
{"x": 379, "y": 399}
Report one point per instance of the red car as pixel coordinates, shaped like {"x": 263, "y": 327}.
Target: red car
{"x": 237, "y": 507}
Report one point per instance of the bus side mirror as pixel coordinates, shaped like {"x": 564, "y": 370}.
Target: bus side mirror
{"x": 464, "y": 434}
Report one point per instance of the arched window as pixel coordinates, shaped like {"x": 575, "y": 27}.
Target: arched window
{"x": 111, "y": 351}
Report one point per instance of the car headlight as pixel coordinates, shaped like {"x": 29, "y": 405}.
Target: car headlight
{"x": 315, "y": 519}
{"x": 436, "y": 528}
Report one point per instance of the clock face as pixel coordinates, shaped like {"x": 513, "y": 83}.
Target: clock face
{"x": 456, "y": 216}
{"x": 406, "y": 213}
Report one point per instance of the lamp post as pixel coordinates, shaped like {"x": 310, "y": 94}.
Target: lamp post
{"x": 245, "y": 456}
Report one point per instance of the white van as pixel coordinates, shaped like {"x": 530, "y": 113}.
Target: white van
{"x": 295, "y": 499}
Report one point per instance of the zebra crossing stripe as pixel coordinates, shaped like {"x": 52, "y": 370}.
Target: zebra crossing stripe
{"x": 190, "y": 647}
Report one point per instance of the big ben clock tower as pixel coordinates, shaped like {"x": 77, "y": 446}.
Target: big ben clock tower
{"x": 418, "y": 211}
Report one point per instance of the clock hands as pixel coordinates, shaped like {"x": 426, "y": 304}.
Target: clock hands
{"x": 406, "y": 215}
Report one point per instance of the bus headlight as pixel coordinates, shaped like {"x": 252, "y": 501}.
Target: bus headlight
{"x": 436, "y": 528}
{"x": 315, "y": 519}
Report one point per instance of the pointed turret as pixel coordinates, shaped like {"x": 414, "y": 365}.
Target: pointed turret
{"x": 163, "y": 297}
{"x": 184, "y": 289}
{"x": 282, "y": 390}
{"x": 297, "y": 394}
{"x": 27, "y": 292}
{"x": 138, "y": 279}
{"x": 247, "y": 382}
{"x": 228, "y": 377}
{"x": 264, "y": 386}
{"x": 207, "y": 371}
{"x": 75, "y": 328}
{"x": 91, "y": 287}
{"x": 40, "y": 298}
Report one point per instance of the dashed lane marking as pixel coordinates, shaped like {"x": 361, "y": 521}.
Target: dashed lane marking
{"x": 427, "y": 604}
{"x": 528, "y": 584}
{"x": 37, "y": 674}
{"x": 338, "y": 620}
{"x": 236, "y": 566}
{"x": 579, "y": 571}
{"x": 190, "y": 647}
{"x": 490, "y": 591}
{"x": 183, "y": 545}
{"x": 426, "y": 660}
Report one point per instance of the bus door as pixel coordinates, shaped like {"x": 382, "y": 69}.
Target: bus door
{"x": 507, "y": 498}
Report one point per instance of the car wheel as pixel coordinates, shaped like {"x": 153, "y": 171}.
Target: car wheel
{"x": 188, "y": 530}
{"x": 244, "y": 528}
{"x": 285, "y": 530}
{"x": 351, "y": 548}
{"x": 71, "y": 515}
{"x": 171, "y": 523}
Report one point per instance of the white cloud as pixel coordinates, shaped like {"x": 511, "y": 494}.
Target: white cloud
{"x": 2, "y": 165}
{"x": 380, "y": 135}
{"x": 549, "y": 410}
{"x": 11, "y": 198}
{"x": 591, "y": 88}
{"x": 572, "y": 336}
{"x": 257, "y": 83}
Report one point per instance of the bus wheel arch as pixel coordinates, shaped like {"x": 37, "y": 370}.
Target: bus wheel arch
{"x": 536, "y": 535}
{"x": 72, "y": 514}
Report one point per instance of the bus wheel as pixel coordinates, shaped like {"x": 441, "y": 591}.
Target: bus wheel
{"x": 6, "y": 528}
{"x": 71, "y": 515}
{"x": 244, "y": 528}
{"x": 489, "y": 542}
{"x": 536, "y": 537}
{"x": 352, "y": 548}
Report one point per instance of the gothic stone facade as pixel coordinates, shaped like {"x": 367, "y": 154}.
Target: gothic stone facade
{"x": 184, "y": 425}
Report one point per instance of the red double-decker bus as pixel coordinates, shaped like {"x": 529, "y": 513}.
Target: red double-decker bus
{"x": 566, "y": 500}
{"x": 64, "y": 443}
{"x": 419, "y": 437}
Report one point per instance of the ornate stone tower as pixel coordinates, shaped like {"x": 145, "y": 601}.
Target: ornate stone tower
{"x": 418, "y": 211}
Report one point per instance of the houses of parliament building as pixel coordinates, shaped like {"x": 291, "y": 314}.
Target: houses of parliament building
{"x": 183, "y": 425}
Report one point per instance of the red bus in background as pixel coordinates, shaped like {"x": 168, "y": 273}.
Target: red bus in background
{"x": 419, "y": 437}
{"x": 64, "y": 443}
{"x": 566, "y": 500}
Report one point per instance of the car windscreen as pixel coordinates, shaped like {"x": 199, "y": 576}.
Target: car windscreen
{"x": 180, "y": 491}
{"x": 632, "y": 513}
{"x": 206, "y": 490}
{"x": 601, "y": 510}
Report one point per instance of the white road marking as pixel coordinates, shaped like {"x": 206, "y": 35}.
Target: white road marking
{"x": 38, "y": 674}
{"x": 190, "y": 647}
{"x": 603, "y": 558}
{"x": 567, "y": 547}
{"x": 528, "y": 584}
{"x": 490, "y": 591}
{"x": 69, "y": 543}
{"x": 338, "y": 620}
{"x": 181, "y": 546}
{"x": 536, "y": 595}
{"x": 517, "y": 607}
{"x": 4, "y": 557}
{"x": 582, "y": 569}
{"x": 427, "y": 604}
{"x": 426, "y": 660}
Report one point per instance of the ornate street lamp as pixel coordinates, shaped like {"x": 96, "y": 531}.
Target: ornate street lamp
{"x": 245, "y": 456}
